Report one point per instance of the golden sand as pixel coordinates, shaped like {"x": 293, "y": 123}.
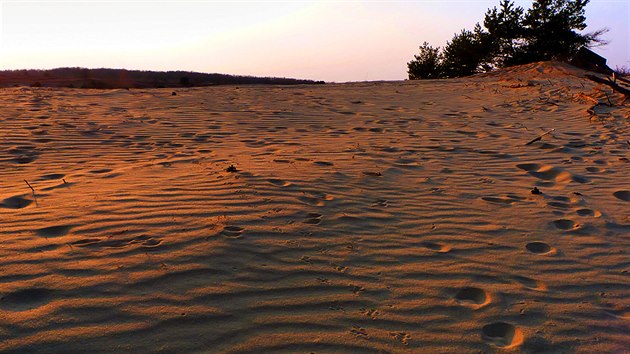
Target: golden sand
{"x": 364, "y": 217}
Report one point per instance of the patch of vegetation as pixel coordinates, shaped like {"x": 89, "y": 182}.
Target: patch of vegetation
{"x": 121, "y": 78}
{"x": 623, "y": 71}
{"x": 509, "y": 36}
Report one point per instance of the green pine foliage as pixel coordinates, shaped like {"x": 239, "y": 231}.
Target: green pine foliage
{"x": 509, "y": 36}
{"x": 427, "y": 64}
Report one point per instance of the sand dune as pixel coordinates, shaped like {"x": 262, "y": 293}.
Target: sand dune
{"x": 367, "y": 217}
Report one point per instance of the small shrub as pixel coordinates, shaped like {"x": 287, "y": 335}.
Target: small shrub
{"x": 623, "y": 71}
{"x": 427, "y": 64}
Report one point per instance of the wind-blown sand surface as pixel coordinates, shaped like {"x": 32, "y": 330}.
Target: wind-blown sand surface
{"x": 367, "y": 217}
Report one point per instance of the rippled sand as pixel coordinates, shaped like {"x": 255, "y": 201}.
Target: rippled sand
{"x": 367, "y": 217}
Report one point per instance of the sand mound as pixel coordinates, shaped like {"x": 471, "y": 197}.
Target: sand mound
{"x": 372, "y": 217}
{"x": 537, "y": 70}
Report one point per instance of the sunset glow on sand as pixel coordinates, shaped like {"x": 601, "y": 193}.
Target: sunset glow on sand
{"x": 473, "y": 208}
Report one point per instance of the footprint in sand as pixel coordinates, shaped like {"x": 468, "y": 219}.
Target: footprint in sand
{"x": 313, "y": 218}
{"x": 315, "y": 198}
{"x": 144, "y": 241}
{"x": 376, "y": 130}
{"x": 620, "y": 313}
{"x": 100, "y": 171}
{"x": 372, "y": 173}
{"x": 580, "y": 179}
{"x": 472, "y": 296}
{"x": 541, "y": 248}
{"x": 575, "y": 144}
{"x": 558, "y": 205}
{"x": 529, "y": 166}
{"x": 359, "y": 332}
{"x": 15, "y": 202}
{"x": 502, "y": 334}
{"x": 52, "y": 176}
{"x": 622, "y": 195}
{"x": 408, "y": 163}
{"x": 24, "y": 154}
{"x": 436, "y": 247}
{"x": 26, "y": 299}
{"x": 311, "y": 201}
{"x": 381, "y": 203}
{"x": 588, "y": 212}
{"x": 54, "y": 231}
{"x": 402, "y": 337}
{"x": 278, "y": 182}
{"x": 370, "y": 312}
{"x": 566, "y": 225}
{"x": 594, "y": 170}
{"x": 390, "y": 149}
{"x": 323, "y": 163}
{"x": 499, "y": 200}
{"x": 43, "y": 140}
{"x": 550, "y": 173}
{"x": 530, "y": 283}
{"x": 24, "y": 159}
{"x": 232, "y": 231}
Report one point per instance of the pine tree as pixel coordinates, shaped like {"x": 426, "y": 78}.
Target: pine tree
{"x": 463, "y": 54}
{"x": 550, "y": 29}
{"x": 427, "y": 64}
{"x": 511, "y": 36}
{"x": 505, "y": 32}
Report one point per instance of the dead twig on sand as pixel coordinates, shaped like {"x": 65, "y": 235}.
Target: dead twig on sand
{"x": 608, "y": 98}
{"x": 32, "y": 191}
{"x": 540, "y": 137}
{"x": 547, "y": 101}
{"x": 587, "y": 97}
{"x": 521, "y": 125}
{"x": 610, "y": 83}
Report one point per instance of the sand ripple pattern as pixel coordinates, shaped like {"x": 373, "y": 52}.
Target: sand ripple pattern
{"x": 363, "y": 218}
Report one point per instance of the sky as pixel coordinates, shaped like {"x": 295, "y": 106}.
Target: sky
{"x": 335, "y": 41}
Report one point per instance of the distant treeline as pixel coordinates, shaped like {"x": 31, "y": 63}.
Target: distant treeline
{"x": 121, "y": 78}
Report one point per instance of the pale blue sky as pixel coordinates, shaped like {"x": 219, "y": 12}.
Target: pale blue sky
{"x": 323, "y": 40}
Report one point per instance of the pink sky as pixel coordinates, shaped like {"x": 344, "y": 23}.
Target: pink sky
{"x": 325, "y": 40}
